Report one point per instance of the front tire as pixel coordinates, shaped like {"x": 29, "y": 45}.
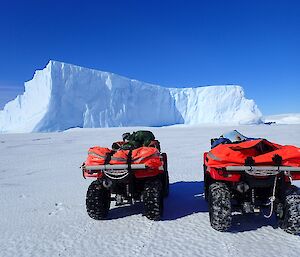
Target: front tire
{"x": 97, "y": 201}
{"x": 153, "y": 199}
{"x": 219, "y": 203}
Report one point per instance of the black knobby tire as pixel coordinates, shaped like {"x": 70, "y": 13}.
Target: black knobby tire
{"x": 153, "y": 199}
{"x": 219, "y": 203}
{"x": 291, "y": 214}
{"x": 97, "y": 201}
{"x": 166, "y": 183}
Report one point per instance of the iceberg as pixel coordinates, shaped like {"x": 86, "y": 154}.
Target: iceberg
{"x": 63, "y": 96}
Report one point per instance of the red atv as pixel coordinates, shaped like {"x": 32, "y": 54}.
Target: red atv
{"x": 134, "y": 170}
{"x": 248, "y": 175}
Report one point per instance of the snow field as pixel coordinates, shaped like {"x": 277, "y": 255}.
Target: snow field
{"x": 42, "y": 197}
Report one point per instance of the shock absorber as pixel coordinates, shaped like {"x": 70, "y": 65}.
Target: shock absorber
{"x": 253, "y": 196}
{"x": 255, "y": 209}
{"x": 129, "y": 193}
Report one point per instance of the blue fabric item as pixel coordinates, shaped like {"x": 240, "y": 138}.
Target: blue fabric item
{"x": 251, "y": 138}
{"x": 231, "y": 137}
{"x": 220, "y": 140}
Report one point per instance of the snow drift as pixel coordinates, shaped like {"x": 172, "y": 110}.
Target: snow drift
{"x": 63, "y": 96}
{"x": 289, "y": 118}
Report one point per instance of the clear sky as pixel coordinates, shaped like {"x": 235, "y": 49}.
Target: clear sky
{"x": 255, "y": 44}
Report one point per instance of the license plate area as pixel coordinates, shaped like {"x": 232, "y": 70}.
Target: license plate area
{"x": 116, "y": 173}
{"x": 262, "y": 173}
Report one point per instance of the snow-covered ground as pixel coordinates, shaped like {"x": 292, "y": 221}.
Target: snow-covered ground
{"x": 42, "y": 199}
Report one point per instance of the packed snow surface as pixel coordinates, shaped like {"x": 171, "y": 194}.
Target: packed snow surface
{"x": 290, "y": 118}
{"x": 63, "y": 96}
{"x": 42, "y": 199}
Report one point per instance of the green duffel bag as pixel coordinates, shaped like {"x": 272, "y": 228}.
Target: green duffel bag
{"x": 138, "y": 139}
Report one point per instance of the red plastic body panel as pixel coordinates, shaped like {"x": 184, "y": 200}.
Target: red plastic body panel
{"x": 94, "y": 175}
{"x": 219, "y": 174}
{"x": 295, "y": 175}
{"x": 204, "y": 158}
{"x": 147, "y": 173}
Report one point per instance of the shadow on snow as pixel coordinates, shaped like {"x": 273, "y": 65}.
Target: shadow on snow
{"x": 250, "y": 222}
{"x": 187, "y": 198}
{"x": 125, "y": 211}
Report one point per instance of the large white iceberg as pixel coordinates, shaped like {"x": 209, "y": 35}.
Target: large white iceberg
{"x": 62, "y": 96}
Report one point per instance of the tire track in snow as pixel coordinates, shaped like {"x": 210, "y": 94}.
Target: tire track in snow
{"x": 230, "y": 248}
{"x": 146, "y": 239}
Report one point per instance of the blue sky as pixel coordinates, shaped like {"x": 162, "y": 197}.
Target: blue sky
{"x": 252, "y": 43}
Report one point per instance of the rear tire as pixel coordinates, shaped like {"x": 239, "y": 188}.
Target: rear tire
{"x": 153, "y": 199}
{"x": 291, "y": 213}
{"x": 219, "y": 203}
{"x": 206, "y": 183}
{"x": 97, "y": 201}
{"x": 166, "y": 183}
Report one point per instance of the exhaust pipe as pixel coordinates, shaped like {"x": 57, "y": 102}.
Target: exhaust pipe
{"x": 242, "y": 187}
{"x": 107, "y": 183}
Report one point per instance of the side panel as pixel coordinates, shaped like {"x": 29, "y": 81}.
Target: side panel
{"x": 295, "y": 175}
{"x": 147, "y": 173}
{"x": 219, "y": 174}
{"x": 94, "y": 175}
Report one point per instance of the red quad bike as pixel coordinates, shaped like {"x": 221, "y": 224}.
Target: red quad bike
{"x": 134, "y": 170}
{"x": 247, "y": 175}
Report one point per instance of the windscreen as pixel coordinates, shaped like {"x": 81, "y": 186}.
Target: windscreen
{"x": 234, "y": 136}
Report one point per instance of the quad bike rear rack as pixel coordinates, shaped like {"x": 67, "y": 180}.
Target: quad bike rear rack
{"x": 115, "y": 167}
{"x": 115, "y": 171}
{"x": 263, "y": 170}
